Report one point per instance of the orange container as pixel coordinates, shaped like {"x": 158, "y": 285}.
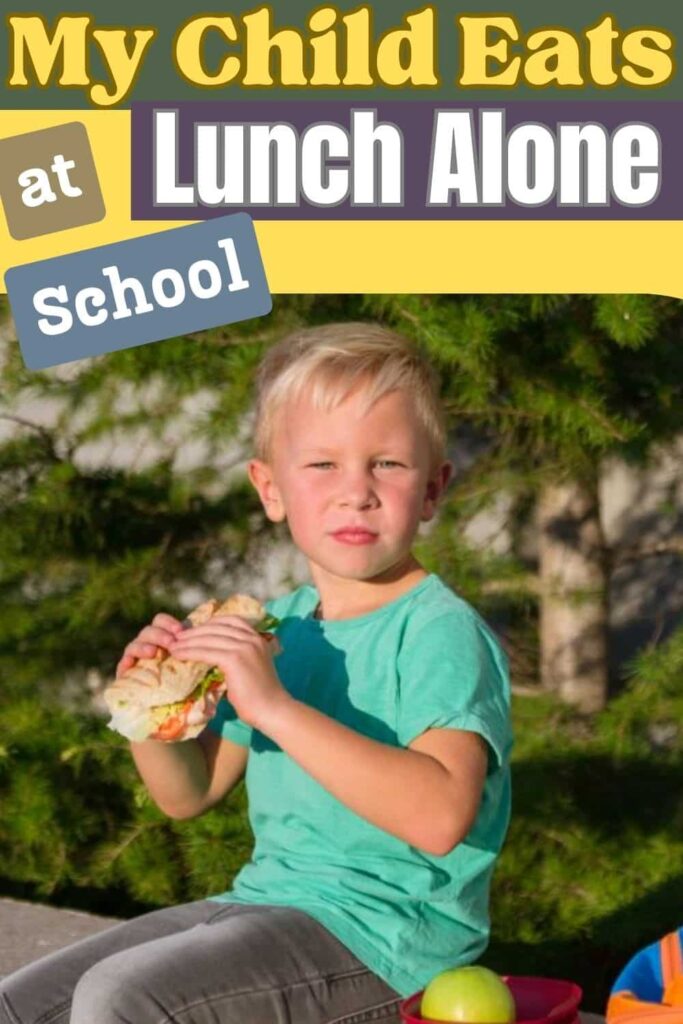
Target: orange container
{"x": 537, "y": 1001}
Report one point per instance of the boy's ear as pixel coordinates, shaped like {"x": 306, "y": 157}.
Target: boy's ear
{"x": 261, "y": 476}
{"x": 434, "y": 488}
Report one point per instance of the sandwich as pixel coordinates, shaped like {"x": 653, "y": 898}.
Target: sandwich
{"x": 163, "y": 698}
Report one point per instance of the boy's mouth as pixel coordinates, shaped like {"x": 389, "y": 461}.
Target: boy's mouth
{"x": 355, "y": 535}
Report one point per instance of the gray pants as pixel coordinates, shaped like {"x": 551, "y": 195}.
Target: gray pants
{"x": 201, "y": 963}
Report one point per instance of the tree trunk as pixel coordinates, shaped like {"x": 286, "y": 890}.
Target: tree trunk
{"x": 574, "y": 595}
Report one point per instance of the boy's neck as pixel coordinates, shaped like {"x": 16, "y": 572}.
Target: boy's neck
{"x": 360, "y": 597}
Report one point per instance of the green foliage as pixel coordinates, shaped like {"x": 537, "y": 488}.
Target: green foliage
{"x": 650, "y": 712}
{"x": 559, "y": 380}
{"x": 541, "y": 387}
{"x": 592, "y": 868}
{"x": 76, "y": 815}
{"x": 630, "y": 320}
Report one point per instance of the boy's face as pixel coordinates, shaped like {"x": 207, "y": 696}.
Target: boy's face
{"x": 334, "y": 470}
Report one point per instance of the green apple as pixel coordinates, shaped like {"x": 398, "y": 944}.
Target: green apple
{"x": 468, "y": 995}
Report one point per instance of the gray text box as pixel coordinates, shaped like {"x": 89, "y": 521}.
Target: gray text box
{"x": 144, "y": 289}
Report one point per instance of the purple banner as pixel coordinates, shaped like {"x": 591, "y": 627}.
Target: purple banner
{"x": 415, "y": 160}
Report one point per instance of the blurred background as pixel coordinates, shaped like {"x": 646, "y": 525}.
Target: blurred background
{"x": 123, "y": 492}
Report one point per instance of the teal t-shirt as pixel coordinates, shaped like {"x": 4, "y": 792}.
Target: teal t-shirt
{"x": 424, "y": 659}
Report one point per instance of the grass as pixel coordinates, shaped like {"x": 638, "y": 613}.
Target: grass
{"x": 593, "y": 866}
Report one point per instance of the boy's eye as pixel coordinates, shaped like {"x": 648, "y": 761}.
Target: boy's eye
{"x": 380, "y": 462}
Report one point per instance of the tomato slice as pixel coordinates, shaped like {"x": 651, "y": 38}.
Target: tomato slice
{"x": 171, "y": 728}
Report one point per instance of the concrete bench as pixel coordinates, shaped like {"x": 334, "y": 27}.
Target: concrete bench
{"x": 30, "y": 930}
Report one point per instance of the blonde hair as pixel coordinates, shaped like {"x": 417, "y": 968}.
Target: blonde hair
{"x": 328, "y": 363}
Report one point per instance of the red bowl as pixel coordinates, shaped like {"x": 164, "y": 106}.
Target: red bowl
{"x": 537, "y": 1001}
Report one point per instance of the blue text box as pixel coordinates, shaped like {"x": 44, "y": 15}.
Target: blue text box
{"x": 145, "y": 289}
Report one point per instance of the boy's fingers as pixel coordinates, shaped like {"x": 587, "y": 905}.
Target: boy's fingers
{"x": 211, "y": 648}
{"x": 167, "y": 622}
{"x": 209, "y": 654}
{"x": 166, "y": 633}
{"x": 221, "y": 626}
{"x": 229, "y": 620}
{"x": 136, "y": 650}
{"x": 155, "y": 635}
{"x": 127, "y": 661}
{"x": 226, "y": 635}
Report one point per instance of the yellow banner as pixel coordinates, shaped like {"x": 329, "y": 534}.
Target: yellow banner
{"x": 379, "y": 256}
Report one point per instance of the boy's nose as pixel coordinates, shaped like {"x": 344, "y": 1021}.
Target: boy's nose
{"x": 358, "y": 491}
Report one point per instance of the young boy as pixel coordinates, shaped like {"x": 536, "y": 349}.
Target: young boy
{"x": 375, "y": 744}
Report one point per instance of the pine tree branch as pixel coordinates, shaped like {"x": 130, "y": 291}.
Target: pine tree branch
{"x": 514, "y": 412}
{"x": 528, "y": 583}
{"x": 225, "y": 341}
{"x": 408, "y": 315}
{"x": 44, "y": 432}
{"x": 485, "y": 412}
{"x": 648, "y": 549}
{"x": 164, "y": 545}
{"x": 111, "y": 854}
{"x": 39, "y": 429}
{"x": 601, "y": 420}
{"x": 527, "y": 690}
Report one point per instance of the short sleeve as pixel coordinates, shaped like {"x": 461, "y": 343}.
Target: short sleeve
{"x": 453, "y": 674}
{"x": 227, "y": 725}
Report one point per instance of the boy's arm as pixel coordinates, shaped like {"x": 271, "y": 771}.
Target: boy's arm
{"x": 185, "y": 779}
{"x": 427, "y": 795}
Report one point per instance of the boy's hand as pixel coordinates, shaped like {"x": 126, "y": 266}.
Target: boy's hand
{"x": 245, "y": 658}
{"x": 158, "y": 636}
